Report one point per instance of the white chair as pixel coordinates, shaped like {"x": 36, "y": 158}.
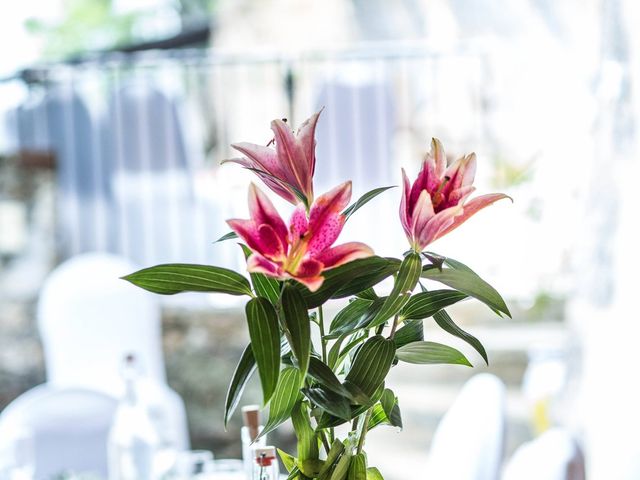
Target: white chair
{"x": 90, "y": 319}
{"x": 554, "y": 455}
{"x": 50, "y": 431}
{"x": 469, "y": 441}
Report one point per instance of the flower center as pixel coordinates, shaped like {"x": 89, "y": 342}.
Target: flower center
{"x": 438, "y": 197}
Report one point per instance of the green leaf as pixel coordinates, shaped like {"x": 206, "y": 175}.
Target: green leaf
{"x": 265, "y": 343}
{"x": 329, "y": 401}
{"x": 445, "y": 322}
{"x": 370, "y": 195}
{"x": 283, "y": 399}
{"x": 327, "y": 420}
{"x": 296, "y": 321}
{"x": 368, "y": 294}
{"x": 334, "y": 452}
{"x": 227, "y": 236}
{"x": 172, "y": 278}
{"x": 378, "y": 417}
{"x": 374, "y": 474}
{"x": 427, "y": 304}
{"x": 342, "y": 467}
{"x": 411, "y": 331}
{"x": 358, "y": 467}
{"x": 389, "y": 403}
{"x": 349, "y": 279}
{"x": 289, "y": 461}
{"x": 431, "y": 353}
{"x": 466, "y": 281}
{"x": 356, "y": 315}
{"x": 406, "y": 281}
{"x": 371, "y": 364}
{"x": 244, "y": 370}
{"x": 322, "y": 374}
{"x": 264, "y": 286}
{"x": 307, "y": 439}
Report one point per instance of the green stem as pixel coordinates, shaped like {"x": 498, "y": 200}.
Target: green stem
{"x": 327, "y": 445}
{"x": 394, "y": 327}
{"x": 365, "y": 428}
{"x": 323, "y": 342}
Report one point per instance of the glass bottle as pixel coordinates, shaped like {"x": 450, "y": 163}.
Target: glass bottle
{"x": 248, "y": 434}
{"x": 265, "y": 464}
{"x": 133, "y": 439}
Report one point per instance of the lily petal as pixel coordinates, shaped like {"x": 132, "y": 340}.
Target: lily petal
{"x": 325, "y": 219}
{"x": 262, "y": 212}
{"x": 461, "y": 173}
{"x": 437, "y": 226}
{"x": 422, "y": 215}
{"x": 405, "y": 219}
{"x": 439, "y": 157}
{"x": 267, "y": 177}
{"x": 256, "y": 263}
{"x": 345, "y": 253}
{"x": 308, "y": 273}
{"x": 306, "y": 137}
{"x": 290, "y": 153}
{"x": 472, "y": 207}
{"x": 298, "y": 224}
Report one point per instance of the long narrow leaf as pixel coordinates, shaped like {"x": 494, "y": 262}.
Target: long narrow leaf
{"x": 244, "y": 370}
{"x": 371, "y": 364}
{"x": 296, "y": 319}
{"x": 431, "y": 353}
{"x": 329, "y": 401}
{"x": 464, "y": 280}
{"x": 364, "y": 199}
{"x": 283, "y": 399}
{"x": 265, "y": 343}
{"x": 307, "y": 439}
{"x": 227, "y": 236}
{"x": 172, "y": 278}
{"x": 406, "y": 281}
{"x": 411, "y": 331}
{"x": 427, "y": 304}
{"x": 445, "y": 322}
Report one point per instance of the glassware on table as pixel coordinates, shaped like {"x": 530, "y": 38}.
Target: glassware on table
{"x": 194, "y": 464}
{"x": 265, "y": 466}
{"x": 248, "y": 435}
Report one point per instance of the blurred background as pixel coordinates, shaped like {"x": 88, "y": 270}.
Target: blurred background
{"x": 116, "y": 114}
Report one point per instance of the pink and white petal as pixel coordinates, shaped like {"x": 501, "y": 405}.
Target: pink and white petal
{"x": 458, "y": 196}
{"x": 472, "y": 207}
{"x": 262, "y": 212}
{"x": 262, "y": 158}
{"x": 307, "y": 141}
{"x": 405, "y": 218}
{"x": 439, "y": 157}
{"x": 326, "y": 234}
{"x": 256, "y": 263}
{"x": 438, "y": 223}
{"x": 270, "y": 244}
{"x": 308, "y": 273}
{"x": 461, "y": 173}
{"x": 312, "y": 283}
{"x": 329, "y": 205}
{"x": 422, "y": 214}
{"x": 345, "y": 253}
{"x": 298, "y": 224}
{"x": 291, "y": 157}
{"x": 248, "y": 231}
{"x": 421, "y": 183}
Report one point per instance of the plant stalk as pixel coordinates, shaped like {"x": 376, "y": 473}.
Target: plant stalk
{"x": 365, "y": 428}
{"x": 323, "y": 342}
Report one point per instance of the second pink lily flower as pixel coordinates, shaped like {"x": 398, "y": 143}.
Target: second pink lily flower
{"x": 303, "y": 249}
{"x": 435, "y": 203}
{"x": 288, "y": 168}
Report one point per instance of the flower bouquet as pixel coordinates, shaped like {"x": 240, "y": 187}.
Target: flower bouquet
{"x": 295, "y": 269}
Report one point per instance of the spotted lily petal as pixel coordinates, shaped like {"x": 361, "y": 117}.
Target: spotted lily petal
{"x": 345, "y": 253}
{"x": 325, "y": 219}
{"x": 262, "y": 212}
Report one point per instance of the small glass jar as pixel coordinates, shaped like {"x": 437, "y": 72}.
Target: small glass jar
{"x": 265, "y": 464}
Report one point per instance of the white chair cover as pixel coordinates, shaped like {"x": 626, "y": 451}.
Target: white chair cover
{"x": 50, "y": 431}
{"x": 469, "y": 441}
{"x": 554, "y": 455}
{"x": 90, "y": 319}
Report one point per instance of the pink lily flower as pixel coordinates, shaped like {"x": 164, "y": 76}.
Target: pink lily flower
{"x": 303, "y": 249}
{"x": 288, "y": 168}
{"x": 435, "y": 203}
